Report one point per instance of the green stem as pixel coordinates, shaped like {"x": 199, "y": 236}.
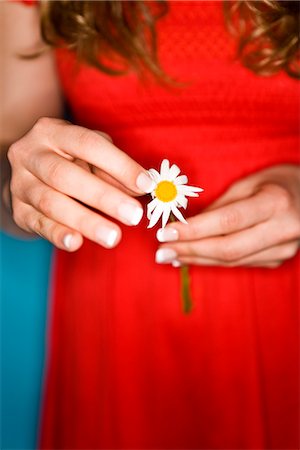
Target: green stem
{"x": 187, "y": 302}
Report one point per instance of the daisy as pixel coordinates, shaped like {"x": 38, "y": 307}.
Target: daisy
{"x": 169, "y": 194}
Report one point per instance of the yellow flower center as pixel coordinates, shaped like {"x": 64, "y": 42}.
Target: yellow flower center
{"x": 166, "y": 191}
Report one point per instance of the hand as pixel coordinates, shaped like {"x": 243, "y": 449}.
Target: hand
{"x": 53, "y": 188}
{"x": 255, "y": 223}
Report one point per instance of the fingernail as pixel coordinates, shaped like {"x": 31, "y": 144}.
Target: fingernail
{"x": 106, "y": 236}
{"x": 165, "y": 255}
{"x": 145, "y": 183}
{"x": 67, "y": 241}
{"x": 130, "y": 213}
{"x": 176, "y": 263}
{"x": 167, "y": 234}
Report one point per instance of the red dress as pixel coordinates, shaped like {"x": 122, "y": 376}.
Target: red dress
{"x": 126, "y": 369}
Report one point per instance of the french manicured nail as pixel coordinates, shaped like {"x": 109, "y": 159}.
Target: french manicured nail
{"x": 165, "y": 255}
{"x": 167, "y": 234}
{"x": 176, "y": 263}
{"x": 130, "y": 213}
{"x": 145, "y": 183}
{"x": 67, "y": 241}
{"x": 106, "y": 236}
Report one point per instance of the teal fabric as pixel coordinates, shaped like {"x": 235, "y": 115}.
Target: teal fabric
{"x": 24, "y": 285}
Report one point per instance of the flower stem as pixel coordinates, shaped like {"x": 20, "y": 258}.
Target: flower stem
{"x": 187, "y": 302}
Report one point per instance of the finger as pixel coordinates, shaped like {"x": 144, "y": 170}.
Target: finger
{"x": 273, "y": 256}
{"x": 105, "y": 135}
{"x": 112, "y": 181}
{"x": 90, "y": 146}
{"x": 222, "y": 221}
{"x": 83, "y": 164}
{"x": 232, "y": 247}
{"x": 70, "y": 213}
{"x": 212, "y": 262}
{"x": 59, "y": 235}
{"x": 72, "y": 180}
{"x": 237, "y": 191}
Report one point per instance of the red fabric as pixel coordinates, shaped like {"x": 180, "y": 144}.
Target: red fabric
{"x": 126, "y": 369}
{"x": 26, "y": 2}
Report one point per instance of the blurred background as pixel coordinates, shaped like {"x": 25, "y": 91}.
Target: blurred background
{"x": 25, "y": 270}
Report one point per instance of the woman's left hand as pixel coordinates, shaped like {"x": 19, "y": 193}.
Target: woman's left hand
{"x": 255, "y": 223}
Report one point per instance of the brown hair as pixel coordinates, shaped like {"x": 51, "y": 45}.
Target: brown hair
{"x": 117, "y": 35}
{"x": 268, "y": 33}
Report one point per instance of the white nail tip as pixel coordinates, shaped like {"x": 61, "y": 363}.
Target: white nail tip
{"x": 145, "y": 183}
{"x": 165, "y": 255}
{"x": 111, "y": 238}
{"x": 106, "y": 236}
{"x": 137, "y": 216}
{"x": 67, "y": 240}
{"x": 131, "y": 214}
{"x": 167, "y": 234}
{"x": 176, "y": 263}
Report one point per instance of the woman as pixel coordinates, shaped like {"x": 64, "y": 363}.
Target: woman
{"x": 126, "y": 368}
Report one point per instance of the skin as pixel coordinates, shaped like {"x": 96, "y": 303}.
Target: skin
{"x": 255, "y": 223}
{"x": 65, "y": 177}
{"x": 59, "y": 171}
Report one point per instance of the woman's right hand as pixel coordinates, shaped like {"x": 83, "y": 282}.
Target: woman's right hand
{"x": 52, "y": 195}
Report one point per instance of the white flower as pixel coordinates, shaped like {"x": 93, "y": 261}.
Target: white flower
{"x": 169, "y": 194}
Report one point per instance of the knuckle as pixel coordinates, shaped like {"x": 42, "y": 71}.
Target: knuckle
{"x": 103, "y": 199}
{"x": 191, "y": 249}
{"x": 42, "y": 124}
{"x": 104, "y": 135}
{"x": 230, "y": 219}
{"x": 83, "y": 221}
{"x": 282, "y": 199}
{"x": 38, "y": 225}
{"x": 193, "y": 230}
{"x": 14, "y": 151}
{"x": 45, "y": 202}
{"x": 87, "y": 138}
{"x": 56, "y": 173}
{"x": 229, "y": 253}
{"x": 55, "y": 233}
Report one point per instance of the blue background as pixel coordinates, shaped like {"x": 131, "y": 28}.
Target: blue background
{"x": 24, "y": 285}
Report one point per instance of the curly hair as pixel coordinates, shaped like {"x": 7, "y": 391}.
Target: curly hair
{"x": 117, "y": 35}
{"x": 268, "y": 34}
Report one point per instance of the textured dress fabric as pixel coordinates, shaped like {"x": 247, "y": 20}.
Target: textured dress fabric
{"x": 126, "y": 368}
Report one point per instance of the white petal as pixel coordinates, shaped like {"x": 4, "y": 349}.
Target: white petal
{"x": 151, "y": 206}
{"x": 154, "y": 175}
{"x": 183, "y": 179}
{"x": 156, "y": 215}
{"x": 178, "y": 214}
{"x": 174, "y": 171}
{"x": 166, "y": 214}
{"x": 192, "y": 188}
{"x": 182, "y": 201}
{"x": 164, "y": 169}
{"x": 188, "y": 191}
{"x": 189, "y": 194}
